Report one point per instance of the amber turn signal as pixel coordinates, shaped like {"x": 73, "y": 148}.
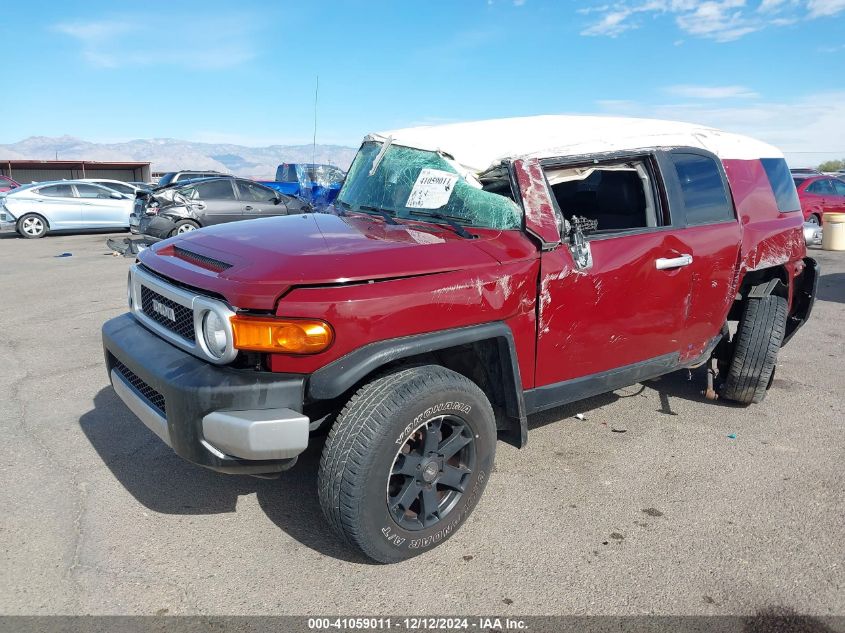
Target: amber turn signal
{"x": 287, "y": 336}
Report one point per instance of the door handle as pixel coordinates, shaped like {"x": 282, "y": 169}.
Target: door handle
{"x": 247, "y": 208}
{"x": 666, "y": 263}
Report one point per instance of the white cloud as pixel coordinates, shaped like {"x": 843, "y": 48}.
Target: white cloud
{"x": 820, "y": 8}
{"x": 210, "y": 43}
{"x": 710, "y": 92}
{"x": 611, "y": 24}
{"x": 770, "y": 5}
{"x": 722, "y": 21}
{"x": 719, "y": 20}
{"x": 808, "y": 129}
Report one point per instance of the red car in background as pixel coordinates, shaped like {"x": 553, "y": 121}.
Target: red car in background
{"x": 820, "y": 194}
{"x": 7, "y": 184}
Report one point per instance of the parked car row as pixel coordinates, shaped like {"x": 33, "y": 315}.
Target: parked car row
{"x": 187, "y": 205}
{"x": 181, "y": 201}
{"x": 186, "y": 201}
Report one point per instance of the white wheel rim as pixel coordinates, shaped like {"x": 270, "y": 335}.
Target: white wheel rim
{"x": 813, "y": 220}
{"x": 33, "y": 226}
{"x": 185, "y": 228}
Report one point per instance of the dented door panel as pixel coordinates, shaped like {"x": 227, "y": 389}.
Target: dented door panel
{"x": 621, "y": 311}
{"x": 715, "y": 249}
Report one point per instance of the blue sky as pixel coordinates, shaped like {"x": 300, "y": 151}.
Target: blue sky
{"x": 244, "y": 72}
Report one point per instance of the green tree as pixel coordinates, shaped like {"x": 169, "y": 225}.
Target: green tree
{"x": 832, "y": 165}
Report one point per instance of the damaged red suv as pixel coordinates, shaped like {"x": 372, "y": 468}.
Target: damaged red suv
{"x": 468, "y": 276}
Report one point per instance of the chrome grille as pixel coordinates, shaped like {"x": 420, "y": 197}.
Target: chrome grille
{"x": 175, "y": 313}
{"x": 183, "y": 324}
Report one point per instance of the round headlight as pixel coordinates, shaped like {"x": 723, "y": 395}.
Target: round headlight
{"x": 214, "y": 334}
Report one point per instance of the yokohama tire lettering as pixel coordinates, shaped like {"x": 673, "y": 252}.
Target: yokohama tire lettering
{"x": 430, "y": 412}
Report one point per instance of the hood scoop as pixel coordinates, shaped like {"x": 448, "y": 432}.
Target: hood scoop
{"x": 203, "y": 261}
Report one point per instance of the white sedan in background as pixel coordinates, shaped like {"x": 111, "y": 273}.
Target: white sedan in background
{"x": 65, "y": 205}
{"x": 120, "y": 186}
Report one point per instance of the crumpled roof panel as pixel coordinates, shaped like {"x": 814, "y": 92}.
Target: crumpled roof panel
{"x": 479, "y": 145}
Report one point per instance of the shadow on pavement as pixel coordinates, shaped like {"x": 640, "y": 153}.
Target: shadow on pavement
{"x": 669, "y": 386}
{"x": 784, "y": 620}
{"x": 14, "y": 235}
{"x": 679, "y": 385}
{"x": 831, "y": 288}
{"x": 164, "y": 482}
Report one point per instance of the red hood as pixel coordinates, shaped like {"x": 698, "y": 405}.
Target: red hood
{"x": 266, "y": 257}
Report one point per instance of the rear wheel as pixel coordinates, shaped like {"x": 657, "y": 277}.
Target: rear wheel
{"x": 184, "y": 226}
{"x": 814, "y": 219}
{"x": 32, "y": 226}
{"x": 758, "y": 339}
{"x": 406, "y": 461}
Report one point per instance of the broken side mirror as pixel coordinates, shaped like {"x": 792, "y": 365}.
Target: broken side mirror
{"x": 578, "y": 244}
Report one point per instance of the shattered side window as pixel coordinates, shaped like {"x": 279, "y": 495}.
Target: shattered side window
{"x": 411, "y": 183}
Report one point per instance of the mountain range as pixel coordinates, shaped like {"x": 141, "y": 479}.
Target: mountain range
{"x": 168, "y": 154}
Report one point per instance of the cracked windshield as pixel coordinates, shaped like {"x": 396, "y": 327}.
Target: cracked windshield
{"x": 412, "y": 183}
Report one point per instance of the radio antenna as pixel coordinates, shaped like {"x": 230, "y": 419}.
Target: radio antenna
{"x": 314, "y": 146}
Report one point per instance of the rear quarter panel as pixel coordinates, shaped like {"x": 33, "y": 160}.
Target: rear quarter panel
{"x": 770, "y": 238}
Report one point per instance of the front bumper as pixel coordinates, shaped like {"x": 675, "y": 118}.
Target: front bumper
{"x": 230, "y": 420}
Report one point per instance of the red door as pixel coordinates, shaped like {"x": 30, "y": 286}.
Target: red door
{"x": 714, "y": 249}
{"x": 621, "y": 311}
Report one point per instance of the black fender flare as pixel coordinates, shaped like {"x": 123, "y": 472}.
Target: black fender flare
{"x": 334, "y": 379}
{"x": 803, "y": 298}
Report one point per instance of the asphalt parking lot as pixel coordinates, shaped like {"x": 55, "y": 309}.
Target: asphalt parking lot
{"x": 646, "y": 506}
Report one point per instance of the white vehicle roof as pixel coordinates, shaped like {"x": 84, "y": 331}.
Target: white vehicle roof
{"x": 479, "y": 145}
{"x": 122, "y": 182}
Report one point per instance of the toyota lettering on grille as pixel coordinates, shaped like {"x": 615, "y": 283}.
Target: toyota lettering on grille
{"x": 165, "y": 311}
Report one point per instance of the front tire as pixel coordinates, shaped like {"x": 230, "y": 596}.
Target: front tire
{"x": 32, "y": 226}
{"x": 758, "y": 339}
{"x": 407, "y": 461}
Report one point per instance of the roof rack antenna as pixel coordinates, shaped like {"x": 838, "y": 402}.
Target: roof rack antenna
{"x": 314, "y": 145}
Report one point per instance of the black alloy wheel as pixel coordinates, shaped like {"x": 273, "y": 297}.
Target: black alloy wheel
{"x": 431, "y": 472}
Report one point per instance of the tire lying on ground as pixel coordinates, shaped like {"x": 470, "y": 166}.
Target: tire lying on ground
{"x": 406, "y": 461}
{"x": 758, "y": 339}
